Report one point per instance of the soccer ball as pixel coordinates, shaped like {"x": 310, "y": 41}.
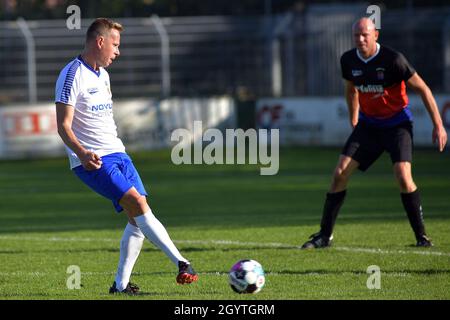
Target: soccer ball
{"x": 246, "y": 276}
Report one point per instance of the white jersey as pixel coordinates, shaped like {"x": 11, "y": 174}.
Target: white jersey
{"x": 88, "y": 91}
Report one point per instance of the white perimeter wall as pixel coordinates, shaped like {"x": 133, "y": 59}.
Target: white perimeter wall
{"x": 324, "y": 121}
{"x": 31, "y": 131}
{"x": 147, "y": 124}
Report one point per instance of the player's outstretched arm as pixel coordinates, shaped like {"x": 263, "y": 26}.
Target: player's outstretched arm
{"x": 439, "y": 133}
{"x": 351, "y": 95}
{"x": 64, "y": 118}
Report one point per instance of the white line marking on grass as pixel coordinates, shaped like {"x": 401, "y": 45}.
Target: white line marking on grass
{"x": 381, "y": 251}
{"x": 287, "y": 246}
{"x": 59, "y": 239}
{"x": 37, "y": 274}
{"x": 238, "y": 243}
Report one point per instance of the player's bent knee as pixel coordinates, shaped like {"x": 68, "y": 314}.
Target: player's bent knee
{"x": 141, "y": 201}
{"x": 402, "y": 171}
{"x": 340, "y": 180}
{"x": 341, "y": 175}
{"x": 134, "y": 203}
{"x": 406, "y": 183}
{"x": 344, "y": 169}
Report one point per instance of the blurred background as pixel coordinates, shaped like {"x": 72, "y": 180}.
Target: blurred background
{"x": 244, "y": 51}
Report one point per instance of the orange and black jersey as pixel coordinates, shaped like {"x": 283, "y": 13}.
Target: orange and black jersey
{"x": 381, "y": 84}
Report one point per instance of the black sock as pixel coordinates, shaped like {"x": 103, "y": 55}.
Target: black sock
{"x": 413, "y": 208}
{"x": 331, "y": 208}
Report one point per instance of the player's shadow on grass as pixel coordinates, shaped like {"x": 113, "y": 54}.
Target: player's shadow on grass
{"x": 121, "y": 296}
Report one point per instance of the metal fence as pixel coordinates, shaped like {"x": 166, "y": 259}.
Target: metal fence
{"x": 294, "y": 54}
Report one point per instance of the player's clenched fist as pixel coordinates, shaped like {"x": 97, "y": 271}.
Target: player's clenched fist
{"x": 91, "y": 161}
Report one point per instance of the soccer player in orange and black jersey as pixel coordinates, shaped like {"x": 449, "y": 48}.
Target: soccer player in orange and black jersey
{"x": 381, "y": 84}
{"x": 375, "y": 89}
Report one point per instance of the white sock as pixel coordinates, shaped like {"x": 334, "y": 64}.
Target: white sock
{"x": 157, "y": 234}
{"x": 130, "y": 247}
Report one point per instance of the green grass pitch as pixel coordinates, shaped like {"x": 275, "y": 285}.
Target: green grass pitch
{"x": 219, "y": 214}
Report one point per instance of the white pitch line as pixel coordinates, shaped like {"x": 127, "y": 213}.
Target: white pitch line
{"x": 284, "y": 245}
{"x": 36, "y": 274}
{"x": 59, "y": 239}
{"x": 230, "y": 242}
{"x": 381, "y": 251}
{"x": 239, "y": 243}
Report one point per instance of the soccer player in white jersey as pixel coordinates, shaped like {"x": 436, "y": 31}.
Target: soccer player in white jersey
{"x": 97, "y": 156}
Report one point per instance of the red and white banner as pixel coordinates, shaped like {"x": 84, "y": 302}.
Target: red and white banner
{"x": 29, "y": 131}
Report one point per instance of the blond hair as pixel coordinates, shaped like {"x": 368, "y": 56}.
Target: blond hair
{"x": 102, "y": 27}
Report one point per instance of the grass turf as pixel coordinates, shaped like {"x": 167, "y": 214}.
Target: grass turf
{"x": 222, "y": 213}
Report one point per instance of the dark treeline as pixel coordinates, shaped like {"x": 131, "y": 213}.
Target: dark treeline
{"x": 56, "y": 9}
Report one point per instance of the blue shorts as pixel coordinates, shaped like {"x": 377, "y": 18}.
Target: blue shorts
{"x": 116, "y": 176}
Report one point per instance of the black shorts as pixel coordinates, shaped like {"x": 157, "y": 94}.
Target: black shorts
{"x": 366, "y": 143}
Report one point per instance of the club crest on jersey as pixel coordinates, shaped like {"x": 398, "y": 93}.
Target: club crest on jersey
{"x": 357, "y": 73}
{"x": 380, "y": 73}
{"x": 92, "y": 90}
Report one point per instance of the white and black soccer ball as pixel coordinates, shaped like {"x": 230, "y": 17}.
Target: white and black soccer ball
{"x": 247, "y": 276}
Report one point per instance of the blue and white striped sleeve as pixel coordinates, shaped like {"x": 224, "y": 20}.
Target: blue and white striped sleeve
{"x": 67, "y": 86}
